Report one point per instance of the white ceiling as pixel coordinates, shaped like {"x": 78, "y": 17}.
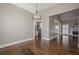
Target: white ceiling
{"x": 70, "y": 16}
{"x": 31, "y": 6}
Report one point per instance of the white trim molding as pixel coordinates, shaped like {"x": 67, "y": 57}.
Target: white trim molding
{"x": 21, "y": 41}
{"x": 50, "y": 38}
{"x": 45, "y": 38}
{"x": 16, "y": 42}
{"x": 53, "y": 37}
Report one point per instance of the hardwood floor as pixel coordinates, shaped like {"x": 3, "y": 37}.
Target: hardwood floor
{"x": 28, "y": 48}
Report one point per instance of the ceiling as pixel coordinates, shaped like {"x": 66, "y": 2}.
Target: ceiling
{"x": 69, "y": 16}
{"x": 31, "y": 6}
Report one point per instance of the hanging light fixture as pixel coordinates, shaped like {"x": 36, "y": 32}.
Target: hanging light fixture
{"x": 37, "y": 17}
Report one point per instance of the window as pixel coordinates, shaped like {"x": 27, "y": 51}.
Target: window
{"x": 65, "y": 29}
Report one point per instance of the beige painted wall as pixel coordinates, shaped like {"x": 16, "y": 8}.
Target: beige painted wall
{"x": 15, "y": 24}
{"x": 45, "y": 26}
{"x": 57, "y": 9}
{"x": 52, "y": 23}
{"x": 51, "y": 26}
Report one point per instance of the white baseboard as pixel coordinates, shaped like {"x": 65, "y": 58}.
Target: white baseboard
{"x": 45, "y": 38}
{"x": 24, "y": 40}
{"x": 50, "y": 38}
{"x": 53, "y": 37}
{"x": 16, "y": 42}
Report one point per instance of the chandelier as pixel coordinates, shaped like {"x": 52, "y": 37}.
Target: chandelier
{"x": 37, "y": 17}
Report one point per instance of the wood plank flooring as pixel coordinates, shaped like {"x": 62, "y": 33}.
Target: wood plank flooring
{"x": 28, "y": 48}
